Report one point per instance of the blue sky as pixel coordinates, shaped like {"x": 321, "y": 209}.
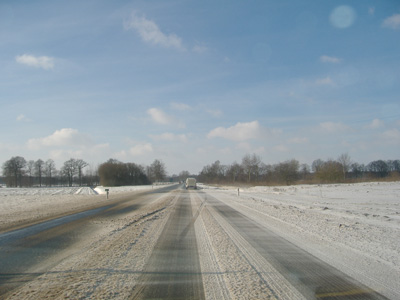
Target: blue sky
{"x": 192, "y": 82}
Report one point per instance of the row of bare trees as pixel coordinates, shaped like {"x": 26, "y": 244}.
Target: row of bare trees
{"x": 19, "y": 172}
{"x": 253, "y": 170}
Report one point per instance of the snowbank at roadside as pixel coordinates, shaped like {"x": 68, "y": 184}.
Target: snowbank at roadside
{"x": 125, "y": 189}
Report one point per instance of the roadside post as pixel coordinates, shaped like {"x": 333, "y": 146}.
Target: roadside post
{"x": 238, "y": 192}
{"x": 107, "y": 190}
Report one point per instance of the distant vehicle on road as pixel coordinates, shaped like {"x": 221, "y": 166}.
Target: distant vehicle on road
{"x": 190, "y": 183}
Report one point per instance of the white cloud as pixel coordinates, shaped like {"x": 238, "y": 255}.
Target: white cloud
{"x": 376, "y": 123}
{"x": 180, "y": 106}
{"x": 44, "y": 62}
{"x": 239, "y": 132}
{"x": 329, "y": 59}
{"x": 151, "y": 33}
{"x": 120, "y": 155}
{"x": 62, "y": 137}
{"x": 325, "y": 81}
{"x": 332, "y": 127}
{"x": 160, "y": 117}
{"x": 22, "y": 118}
{"x": 392, "y": 22}
{"x": 199, "y": 49}
{"x": 61, "y": 154}
{"x": 141, "y": 149}
{"x": 170, "y": 137}
{"x": 392, "y": 134}
{"x": 214, "y": 112}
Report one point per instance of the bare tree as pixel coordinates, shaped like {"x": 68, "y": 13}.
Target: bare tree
{"x": 13, "y": 170}
{"x": 157, "y": 171}
{"x": 213, "y": 173}
{"x": 317, "y": 165}
{"x": 69, "y": 170}
{"x": 304, "y": 171}
{"x": 39, "y": 164}
{"x": 251, "y": 164}
{"x": 30, "y": 167}
{"x": 80, "y": 164}
{"x": 396, "y": 165}
{"x": 288, "y": 171}
{"x": 234, "y": 171}
{"x": 49, "y": 170}
{"x": 330, "y": 171}
{"x": 357, "y": 170}
{"x": 267, "y": 172}
{"x": 345, "y": 160}
{"x": 378, "y": 167}
{"x": 393, "y": 165}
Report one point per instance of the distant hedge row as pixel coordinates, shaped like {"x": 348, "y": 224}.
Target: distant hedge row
{"x": 253, "y": 170}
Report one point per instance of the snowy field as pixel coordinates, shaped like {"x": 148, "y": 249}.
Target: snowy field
{"x": 24, "y": 205}
{"x": 354, "y": 227}
{"x": 73, "y": 190}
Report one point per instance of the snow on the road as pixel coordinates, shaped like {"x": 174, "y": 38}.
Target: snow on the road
{"x": 354, "y": 227}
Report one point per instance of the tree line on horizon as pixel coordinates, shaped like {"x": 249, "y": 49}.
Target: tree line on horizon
{"x": 253, "y": 170}
{"x": 18, "y": 172}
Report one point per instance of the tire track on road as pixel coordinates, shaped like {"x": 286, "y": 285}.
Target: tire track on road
{"x": 173, "y": 270}
{"x": 213, "y": 277}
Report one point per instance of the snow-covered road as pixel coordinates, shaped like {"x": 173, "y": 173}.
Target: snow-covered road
{"x": 299, "y": 242}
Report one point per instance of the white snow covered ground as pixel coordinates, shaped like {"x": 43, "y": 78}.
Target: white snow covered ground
{"x": 354, "y": 227}
{"x": 24, "y": 205}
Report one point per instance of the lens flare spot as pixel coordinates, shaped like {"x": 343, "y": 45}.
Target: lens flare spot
{"x": 343, "y": 16}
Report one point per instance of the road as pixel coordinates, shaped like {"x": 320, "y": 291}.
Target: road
{"x": 164, "y": 244}
{"x": 173, "y": 270}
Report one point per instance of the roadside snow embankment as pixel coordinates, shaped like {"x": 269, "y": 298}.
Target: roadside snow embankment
{"x": 125, "y": 189}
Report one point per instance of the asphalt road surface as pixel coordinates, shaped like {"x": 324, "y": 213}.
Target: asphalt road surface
{"x": 173, "y": 269}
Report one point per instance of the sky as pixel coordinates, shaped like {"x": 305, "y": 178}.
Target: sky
{"x": 192, "y": 82}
